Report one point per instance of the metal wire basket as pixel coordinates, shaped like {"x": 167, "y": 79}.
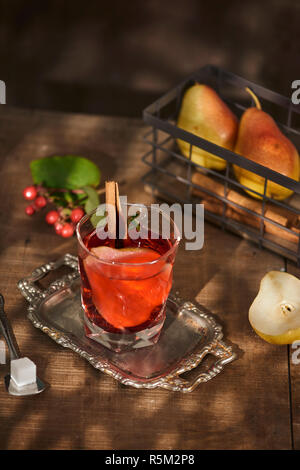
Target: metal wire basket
{"x": 171, "y": 173}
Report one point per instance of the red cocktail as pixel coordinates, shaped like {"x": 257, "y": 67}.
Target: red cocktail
{"x": 124, "y": 290}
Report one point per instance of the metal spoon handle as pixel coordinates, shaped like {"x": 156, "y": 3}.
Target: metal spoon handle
{"x": 8, "y": 332}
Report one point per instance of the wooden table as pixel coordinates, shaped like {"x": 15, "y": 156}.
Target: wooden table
{"x": 252, "y": 404}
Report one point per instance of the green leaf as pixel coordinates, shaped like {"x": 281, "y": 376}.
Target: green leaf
{"x": 68, "y": 197}
{"x": 79, "y": 197}
{"x": 92, "y": 199}
{"x": 59, "y": 199}
{"x": 132, "y": 223}
{"x": 68, "y": 172}
{"x": 92, "y": 203}
{"x": 98, "y": 220}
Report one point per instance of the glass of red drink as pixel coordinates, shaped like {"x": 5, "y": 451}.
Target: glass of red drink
{"x": 124, "y": 290}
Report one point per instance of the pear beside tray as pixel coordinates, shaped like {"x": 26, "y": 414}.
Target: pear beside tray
{"x": 188, "y": 335}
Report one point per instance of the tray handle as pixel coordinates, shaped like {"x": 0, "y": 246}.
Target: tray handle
{"x": 34, "y": 294}
{"x": 224, "y": 355}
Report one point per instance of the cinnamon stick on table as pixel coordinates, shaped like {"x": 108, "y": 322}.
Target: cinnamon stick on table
{"x": 277, "y": 214}
{"x": 117, "y": 225}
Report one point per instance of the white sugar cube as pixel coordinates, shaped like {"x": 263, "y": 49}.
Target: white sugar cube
{"x": 23, "y": 371}
{"x": 2, "y": 352}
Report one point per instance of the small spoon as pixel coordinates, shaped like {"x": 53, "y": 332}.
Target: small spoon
{"x": 11, "y": 386}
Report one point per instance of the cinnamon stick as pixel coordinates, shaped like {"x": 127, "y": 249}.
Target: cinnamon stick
{"x": 116, "y": 222}
{"x": 274, "y": 213}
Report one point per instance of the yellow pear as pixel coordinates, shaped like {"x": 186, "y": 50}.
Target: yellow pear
{"x": 275, "y": 312}
{"x": 204, "y": 114}
{"x": 260, "y": 140}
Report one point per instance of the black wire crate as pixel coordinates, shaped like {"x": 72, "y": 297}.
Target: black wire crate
{"x": 272, "y": 223}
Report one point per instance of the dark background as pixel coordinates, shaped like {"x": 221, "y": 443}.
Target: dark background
{"x": 116, "y": 57}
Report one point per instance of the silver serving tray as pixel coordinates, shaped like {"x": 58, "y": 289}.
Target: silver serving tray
{"x": 188, "y": 335}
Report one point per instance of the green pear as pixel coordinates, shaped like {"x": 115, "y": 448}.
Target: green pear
{"x": 205, "y": 114}
{"x": 260, "y": 140}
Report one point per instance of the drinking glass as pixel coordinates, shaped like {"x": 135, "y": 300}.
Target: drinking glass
{"x": 124, "y": 291}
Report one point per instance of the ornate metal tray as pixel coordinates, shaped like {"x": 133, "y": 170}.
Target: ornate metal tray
{"x": 188, "y": 335}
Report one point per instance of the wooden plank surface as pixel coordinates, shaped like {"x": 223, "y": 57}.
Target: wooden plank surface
{"x": 294, "y": 363}
{"x": 245, "y": 407}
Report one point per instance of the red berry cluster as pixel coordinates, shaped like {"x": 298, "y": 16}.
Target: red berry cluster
{"x": 63, "y": 220}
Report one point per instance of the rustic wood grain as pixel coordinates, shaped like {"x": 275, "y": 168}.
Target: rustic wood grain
{"x": 245, "y": 407}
